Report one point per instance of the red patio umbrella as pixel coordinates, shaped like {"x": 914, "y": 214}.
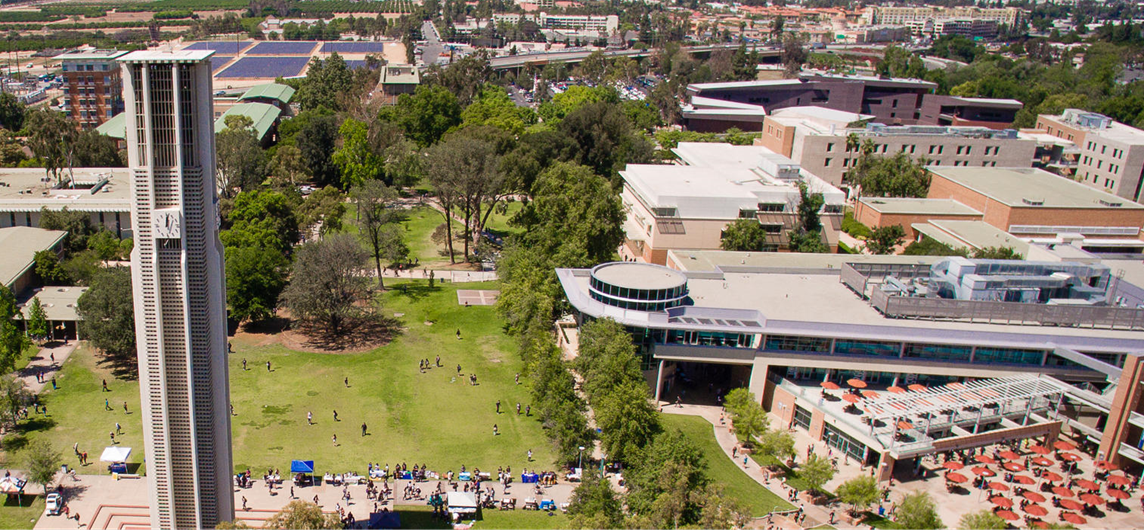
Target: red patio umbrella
{"x": 1010, "y": 455}
{"x": 906, "y": 425}
{"x": 1105, "y": 465}
{"x": 1062, "y": 445}
{"x": 850, "y": 398}
{"x": 998, "y": 486}
{"x": 1092, "y": 498}
{"x": 1033, "y": 496}
{"x": 1063, "y": 491}
{"x": 857, "y": 383}
{"x": 1039, "y": 524}
{"x": 1052, "y": 477}
{"x": 1040, "y": 449}
{"x": 983, "y": 471}
{"x": 896, "y": 389}
{"x": 953, "y": 465}
{"x": 830, "y": 385}
{"x": 1069, "y": 457}
{"x": 1073, "y": 518}
{"x": 1014, "y": 467}
{"x": 1035, "y": 510}
{"x": 1118, "y": 480}
{"x": 1042, "y": 461}
{"x": 1087, "y": 484}
{"x": 983, "y": 459}
{"x": 1007, "y": 515}
{"x": 870, "y": 394}
{"x": 1022, "y": 479}
{"x": 917, "y": 387}
{"x": 955, "y": 477}
{"x": 1071, "y": 504}
{"x": 1003, "y": 502}
{"x": 1117, "y": 493}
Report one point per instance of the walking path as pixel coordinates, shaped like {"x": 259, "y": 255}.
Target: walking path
{"x": 815, "y": 515}
{"x": 48, "y": 360}
{"x": 452, "y": 276}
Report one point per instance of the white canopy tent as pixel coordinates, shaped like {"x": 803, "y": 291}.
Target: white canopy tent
{"x": 115, "y": 455}
{"x": 461, "y": 503}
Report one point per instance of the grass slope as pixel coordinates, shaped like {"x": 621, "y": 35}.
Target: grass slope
{"x": 721, "y": 469}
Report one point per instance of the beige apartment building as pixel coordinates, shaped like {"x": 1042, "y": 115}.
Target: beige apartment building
{"x": 817, "y": 139}
{"x": 688, "y": 205}
{"x": 1111, "y": 154}
{"x": 905, "y": 15}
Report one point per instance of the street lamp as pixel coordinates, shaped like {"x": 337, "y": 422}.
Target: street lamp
{"x": 580, "y": 458}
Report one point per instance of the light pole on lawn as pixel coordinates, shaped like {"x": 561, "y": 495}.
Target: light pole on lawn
{"x": 580, "y": 459}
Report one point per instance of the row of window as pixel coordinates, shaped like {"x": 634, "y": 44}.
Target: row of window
{"x": 642, "y": 295}
{"x": 934, "y": 149}
{"x": 944, "y": 353}
{"x": 634, "y": 305}
{"x": 846, "y": 163}
{"x": 72, "y": 67}
{"x": 715, "y": 339}
{"x": 1092, "y": 145}
{"x": 1108, "y": 182}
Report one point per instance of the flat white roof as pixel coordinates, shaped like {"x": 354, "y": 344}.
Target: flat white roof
{"x": 1115, "y": 131}
{"x": 993, "y": 101}
{"x": 815, "y": 112}
{"x": 91, "y": 55}
{"x": 26, "y": 190}
{"x": 167, "y": 55}
{"x": 917, "y": 206}
{"x": 59, "y": 302}
{"x": 1032, "y": 188}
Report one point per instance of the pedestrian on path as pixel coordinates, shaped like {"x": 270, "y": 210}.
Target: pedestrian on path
{"x": 347, "y": 382}
{"x": 336, "y": 416}
{"x": 268, "y": 366}
{"x": 106, "y": 404}
{"x": 458, "y": 334}
{"x": 54, "y": 387}
{"x": 112, "y": 436}
{"x": 125, "y": 410}
{"x": 292, "y": 497}
{"x": 498, "y": 406}
{"x": 530, "y": 455}
{"x": 309, "y": 418}
{"x": 518, "y": 409}
{"x": 244, "y": 364}
{"x": 244, "y": 506}
{"x": 438, "y": 360}
{"x": 528, "y": 411}
{"x": 52, "y": 356}
{"x": 363, "y": 430}
{"x": 495, "y": 432}
{"x": 118, "y": 429}
{"x": 518, "y": 378}
{"x": 744, "y": 461}
{"x": 105, "y": 386}
{"x": 335, "y": 440}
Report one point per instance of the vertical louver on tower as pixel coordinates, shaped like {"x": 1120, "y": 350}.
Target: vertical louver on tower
{"x": 177, "y": 277}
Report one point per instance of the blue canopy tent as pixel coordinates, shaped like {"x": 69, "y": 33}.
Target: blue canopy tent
{"x": 303, "y": 471}
{"x": 302, "y": 466}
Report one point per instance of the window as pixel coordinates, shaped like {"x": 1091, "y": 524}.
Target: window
{"x": 987, "y": 355}
{"x": 747, "y": 213}
{"x": 1102, "y": 148}
{"x": 940, "y": 149}
{"x": 772, "y": 207}
{"x": 827, "y": 162}
{"x": 949, "y": 353}
{"x": 830, "y": 146}
{"x": 832, "y": 209}
{"x": 873, "y": 349}
{"x": 808, "y": 344}
{"x": 665, "y": 211}
{"x": 959, "y": 150}
{"x": 931, "y": 149}
{"x": 773, "y": 229}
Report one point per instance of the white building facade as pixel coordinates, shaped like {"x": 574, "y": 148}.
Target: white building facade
{"x": 178, "y": 281}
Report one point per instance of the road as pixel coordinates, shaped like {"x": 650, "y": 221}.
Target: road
{"x": 432, "y": 48}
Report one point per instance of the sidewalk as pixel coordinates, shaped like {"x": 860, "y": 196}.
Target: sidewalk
{"x": 815, "y": 515}
{"x": 48, "y": 360}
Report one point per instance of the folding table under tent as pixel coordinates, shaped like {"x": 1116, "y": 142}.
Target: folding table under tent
{"x": 118, "y": 458}
{"x": 305, "y": 467}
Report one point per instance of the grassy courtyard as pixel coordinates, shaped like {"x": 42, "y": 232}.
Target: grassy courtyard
{"x": 721, "y": 469}
{"x": 22, "y": 514}
{"x": 421, "y": 518}
{"x": 434, "y": 417}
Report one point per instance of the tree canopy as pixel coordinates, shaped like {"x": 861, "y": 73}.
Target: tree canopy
{"x": 744, "y": 234}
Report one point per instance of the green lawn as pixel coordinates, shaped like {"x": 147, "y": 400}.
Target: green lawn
{"x": 76, "y": 413}
{"x": 26, "y": 357}
{"x": 21, "y": 516}
{"x": 421, "y": 518}
{"x": 498, "y": 223}
{"x": 721, "y": 469}
{"x": 411, "y": 417}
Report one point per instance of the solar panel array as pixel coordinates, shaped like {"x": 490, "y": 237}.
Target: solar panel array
{"x": 354, "y": 47}
{"x": 265, "y": 67}
{"x": 218, "y": 61}
{"x": 283, "y": 48}
{"x": 223, "y": 47}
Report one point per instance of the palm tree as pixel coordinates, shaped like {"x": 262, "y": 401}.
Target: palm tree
{"x": 852, "y": 142}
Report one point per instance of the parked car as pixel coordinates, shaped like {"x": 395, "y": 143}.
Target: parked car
{"x": 54, "y": 503}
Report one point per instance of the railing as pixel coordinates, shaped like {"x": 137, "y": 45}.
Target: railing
{"x": 1009, "y": 313}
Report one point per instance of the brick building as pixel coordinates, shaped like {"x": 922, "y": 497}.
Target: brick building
{"x": 93, "y": 89}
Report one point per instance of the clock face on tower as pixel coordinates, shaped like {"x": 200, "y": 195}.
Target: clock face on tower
{"x": 167, "y": 223}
